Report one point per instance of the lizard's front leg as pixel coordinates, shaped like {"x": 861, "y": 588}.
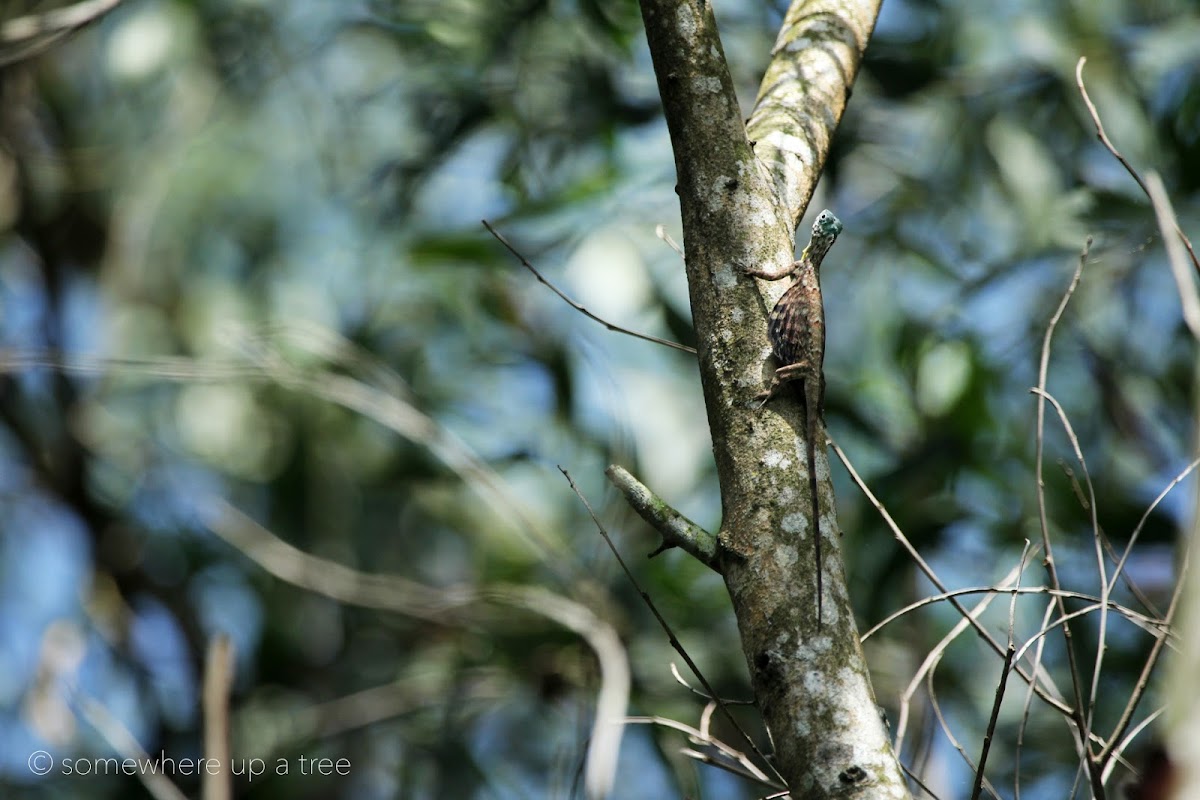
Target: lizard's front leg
{"x": 771, "y": 274}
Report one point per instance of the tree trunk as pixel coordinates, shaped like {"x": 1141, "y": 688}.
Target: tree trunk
{"x": 741, "y": 201}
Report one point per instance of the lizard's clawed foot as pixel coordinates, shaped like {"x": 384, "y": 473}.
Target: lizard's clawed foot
{"x": 763, "y": 397}
{"x": 782, "y": 375}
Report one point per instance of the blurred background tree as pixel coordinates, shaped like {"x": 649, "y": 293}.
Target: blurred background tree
{"x": 275, "y": 194}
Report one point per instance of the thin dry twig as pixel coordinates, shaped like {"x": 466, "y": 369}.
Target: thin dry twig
{"x": 680, "y": 680}
{"x": 1050, "y": 626}
{"x": 999, "y": 698}
{"x": 1123, "y": 745}
{"x": 661, "y": 232}
{"x": 937, "y": 711}
{"x": 1153, "y": 188}
{"x": 1103, "y": 137}
{"x": 1025, "y": 707}
{"x": 675, "y": 643}
{"x": 721, "y": 762}
{"x": 171, "y": 368}
{"x": 1151, "y": 625}
{"x": 1124, "y": 577}
{"x": 353, "y": 711}
{"x": 706, "y": 717}
{"x": 1143, "y": 681}
{"x": 1102, "y": 639}
{"x": 912, "y": 776}
{"x": 745, "y": 767}
{"x": 930, "y": 663}
{"x": 123, "y": 742}
{"x": 1051, "y": 569}
{"x": 969, "y": 616}
{"x": 578, "y": 307}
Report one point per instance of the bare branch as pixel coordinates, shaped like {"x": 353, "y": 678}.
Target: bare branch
{"x": 169, "y": 368}
{"x": 661, "y": 232}
{"x": 913, "y": 777}
{"x": 218, "y": 680}
{"x": 1185, "y": 282}
{"x": 804, "y": 92}
{"x": 667, "y": 628}
{"x": 930, "y": 663}
{"x": 56, "y": 20}
{"x": 392, "y": 593}
{"x": 1190, "y": 302}
{"x": 327, "y": 578}
{"x": 613, "y": 699}
{"x": 36, "y": 33}
{"x": 353, "y": 711}
{"x": 676, "y": 530}
{"x": 383, "y": 405}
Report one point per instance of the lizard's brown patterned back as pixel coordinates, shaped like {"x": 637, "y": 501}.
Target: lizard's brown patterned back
{"x": 795, "y": 337}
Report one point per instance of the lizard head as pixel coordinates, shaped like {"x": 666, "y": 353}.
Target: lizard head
{"x": 825, "y": 231}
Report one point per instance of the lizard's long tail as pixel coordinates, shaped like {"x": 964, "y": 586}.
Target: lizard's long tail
{"x": 811, "y": 421}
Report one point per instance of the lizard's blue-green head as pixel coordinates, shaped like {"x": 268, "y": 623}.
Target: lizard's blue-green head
{"x": 825, "y": 231}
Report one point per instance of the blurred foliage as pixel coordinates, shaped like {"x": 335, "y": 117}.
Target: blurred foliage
{"x": 295, "y": 189}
